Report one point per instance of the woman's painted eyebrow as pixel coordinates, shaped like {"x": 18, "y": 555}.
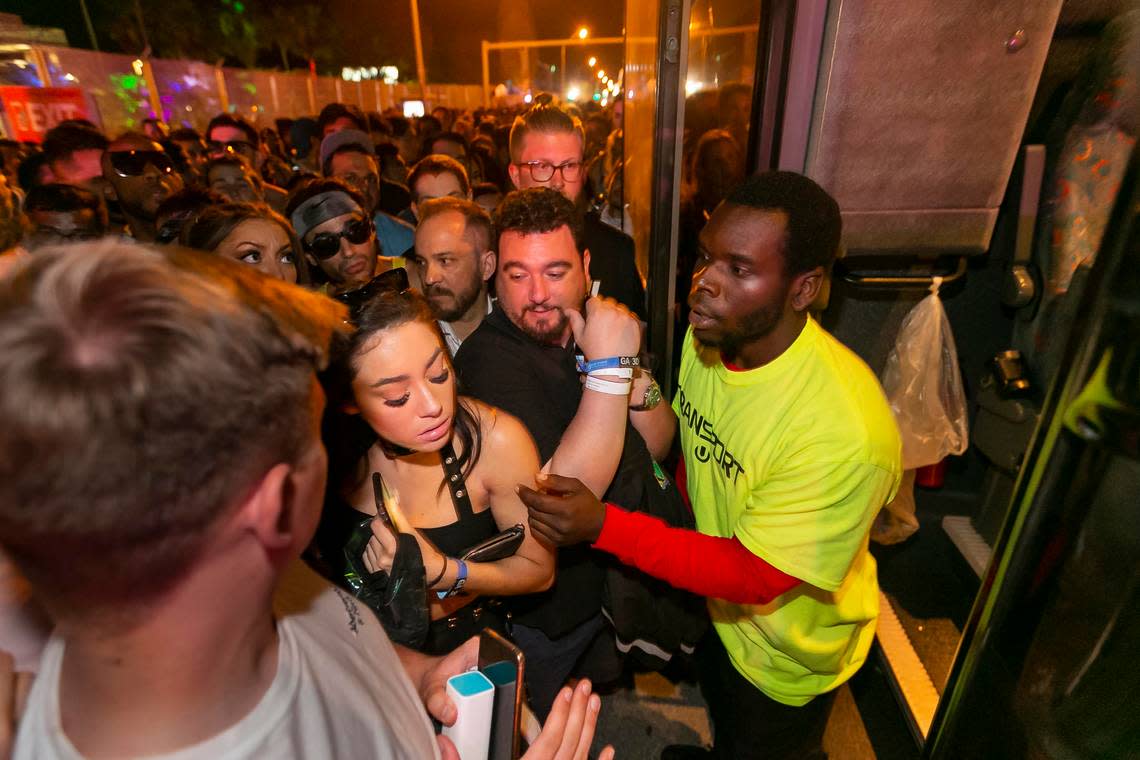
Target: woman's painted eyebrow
{"x": 405, "y": 378}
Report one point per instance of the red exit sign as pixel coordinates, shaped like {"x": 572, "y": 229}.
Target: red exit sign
{"x": 32, "y": 111}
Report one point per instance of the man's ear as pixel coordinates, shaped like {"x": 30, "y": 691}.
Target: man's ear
{"x": 586, "y": 269}
{"x": 488, "y": 262}
{"x": 415, "y": 210}
{"x": 268, "y": 511}
{"x": 513, "y": 172}
{"x": 805, "y": 287}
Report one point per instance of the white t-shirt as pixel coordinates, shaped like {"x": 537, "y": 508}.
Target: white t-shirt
{"x": 24, "y": 626}
{"x": 339, "y": 692}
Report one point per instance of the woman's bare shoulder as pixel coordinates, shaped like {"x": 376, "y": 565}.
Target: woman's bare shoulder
{"x": 503, "y": 434}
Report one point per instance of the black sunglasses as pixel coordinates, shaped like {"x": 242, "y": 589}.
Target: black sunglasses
{"x": 327, "y": 244}
{"x": 393, "y": 281}
{"x": 132, "y": 163}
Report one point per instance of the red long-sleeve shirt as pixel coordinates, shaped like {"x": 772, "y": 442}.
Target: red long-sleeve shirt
{"x": 711, "y": 566}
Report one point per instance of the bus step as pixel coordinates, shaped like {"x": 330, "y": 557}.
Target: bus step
{"x": 969, "y": 542}
{"x": 911, "y": 681}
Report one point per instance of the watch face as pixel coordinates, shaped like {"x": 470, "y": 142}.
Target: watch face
{"x": 652, "y": 396}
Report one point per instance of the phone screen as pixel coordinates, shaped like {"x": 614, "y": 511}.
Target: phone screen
{"x": 502, "y": 662}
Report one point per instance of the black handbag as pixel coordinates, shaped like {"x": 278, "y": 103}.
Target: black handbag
{"x": 398, "y": 598}
{"x": 499, "y": 546}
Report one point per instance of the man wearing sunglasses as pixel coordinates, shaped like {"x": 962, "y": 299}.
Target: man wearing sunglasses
{"x": 336, "y": 234}
{"x": 142, "y": 176}
{"x": 546, "y": 151}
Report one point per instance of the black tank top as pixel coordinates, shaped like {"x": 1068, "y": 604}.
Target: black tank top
{"x": 469, "y": 527}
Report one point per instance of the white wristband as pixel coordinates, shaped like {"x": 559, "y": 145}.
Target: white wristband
{"x": 625, "y": 373}
{"x": 605, "y": 386}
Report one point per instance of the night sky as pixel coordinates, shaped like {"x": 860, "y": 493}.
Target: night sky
{"x": 379, "y": 32}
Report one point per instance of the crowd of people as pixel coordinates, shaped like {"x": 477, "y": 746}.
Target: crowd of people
{"x": 292, "y": 414}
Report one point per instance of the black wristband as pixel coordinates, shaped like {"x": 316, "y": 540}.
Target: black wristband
{"x": 439, "y": 577}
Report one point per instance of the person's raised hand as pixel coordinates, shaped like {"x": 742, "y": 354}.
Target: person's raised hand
{"x": 607, "y": 329}
{"x": 433, "y": 685}
{"x": 563, "y": 511}
{"x": 380, "y": 551}
{"x": 569, "y": 729}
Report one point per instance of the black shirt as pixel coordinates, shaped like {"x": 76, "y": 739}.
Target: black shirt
{"x": 502, "y": 366}
{"x": 612, "y": 261}
{"x": 394, "y": 197}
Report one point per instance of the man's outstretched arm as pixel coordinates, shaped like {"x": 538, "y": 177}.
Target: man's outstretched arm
{"x": 565, "y": 513}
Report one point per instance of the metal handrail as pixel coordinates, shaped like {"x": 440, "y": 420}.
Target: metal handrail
{"x": 899, "y": 281}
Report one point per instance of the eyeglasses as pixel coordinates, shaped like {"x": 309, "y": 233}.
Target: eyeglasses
{"x": 543, "y": 171}
{"x": 133, "y": 163}
{"x": 216, "y": 147}
{"x": 327, "y": 244}
{"x": 394, "y": 281}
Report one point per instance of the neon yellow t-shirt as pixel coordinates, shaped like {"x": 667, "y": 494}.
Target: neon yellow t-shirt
{"x": 794, "y": 458}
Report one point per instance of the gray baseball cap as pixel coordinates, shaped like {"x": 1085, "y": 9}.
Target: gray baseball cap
{"x": 338, "y": 140}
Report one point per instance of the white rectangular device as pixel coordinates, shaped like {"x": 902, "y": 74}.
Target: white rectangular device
{"x": 474, "y": 696}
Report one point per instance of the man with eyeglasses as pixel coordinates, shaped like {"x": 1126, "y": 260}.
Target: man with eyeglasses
{"x": 142, "y": 176}
{"x": 546, "y": 151}
{"x": 336, "y": 234}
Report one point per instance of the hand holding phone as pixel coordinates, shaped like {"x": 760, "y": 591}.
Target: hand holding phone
{"x": 380, "y": 551}
{"x": 503, "y": 663}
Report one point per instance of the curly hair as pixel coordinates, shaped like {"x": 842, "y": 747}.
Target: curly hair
{"x": 536, "y": 210}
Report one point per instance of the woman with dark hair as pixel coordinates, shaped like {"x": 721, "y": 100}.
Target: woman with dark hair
{"x": 443, "y": 467}
{"x": 251, "y": 233}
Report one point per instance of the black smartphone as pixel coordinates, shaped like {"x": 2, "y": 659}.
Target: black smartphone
{"x": 378, "y": 491}
{"x": 503, "y": 664}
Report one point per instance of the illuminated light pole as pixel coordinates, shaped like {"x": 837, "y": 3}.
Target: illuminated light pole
{"x": 592, "y": 62}
{"x": 583, "y": 33}
{"x": 421, "y": 72}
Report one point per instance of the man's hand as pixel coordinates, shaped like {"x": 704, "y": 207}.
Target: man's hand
{"x": 432, "y": 686}
{"x": 564, "y": 511}
{"x": 608, "y": 329}
{"x": 569, "y": 729}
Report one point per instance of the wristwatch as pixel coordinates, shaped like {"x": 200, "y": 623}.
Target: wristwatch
{"x": 651, "y": 399}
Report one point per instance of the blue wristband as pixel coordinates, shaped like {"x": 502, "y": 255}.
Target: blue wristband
{"x": 586, "y": 367}
{"x": 460, "y": 581}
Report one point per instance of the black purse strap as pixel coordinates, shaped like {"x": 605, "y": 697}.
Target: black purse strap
{"x": 456, "y": 487}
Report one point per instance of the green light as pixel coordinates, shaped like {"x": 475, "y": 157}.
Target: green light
{"x": 250, "y": 87}
{"x": 239, "y": 6}
{"x": 130, "y": 82}
{"x": 597, "y": 96}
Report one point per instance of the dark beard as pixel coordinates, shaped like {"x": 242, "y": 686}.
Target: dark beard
{"x": 754, "y": 326}
{"x": 464, "y": 300}
{"x": 551, "y": 336}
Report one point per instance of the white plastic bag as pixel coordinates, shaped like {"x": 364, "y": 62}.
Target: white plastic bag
{"x": 924, "y": 388}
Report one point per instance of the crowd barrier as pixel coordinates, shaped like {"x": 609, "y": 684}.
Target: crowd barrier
{"x": 120, "y": 90}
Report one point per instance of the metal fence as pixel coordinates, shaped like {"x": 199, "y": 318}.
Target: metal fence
{"x": 121, "y": 91}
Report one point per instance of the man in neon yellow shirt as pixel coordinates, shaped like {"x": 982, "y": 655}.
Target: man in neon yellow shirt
{"x": 789, "y": 451}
